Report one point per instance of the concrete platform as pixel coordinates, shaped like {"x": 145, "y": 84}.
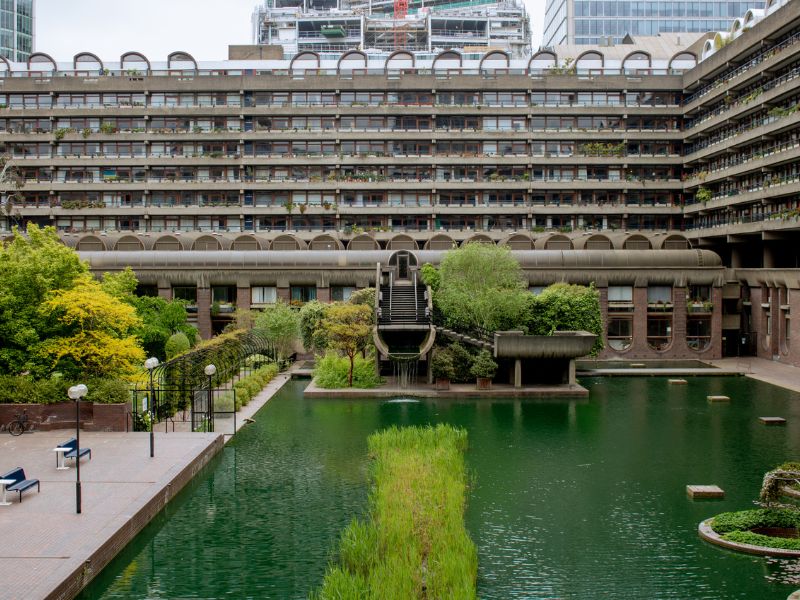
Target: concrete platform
{"x": 772, "y": 420}
{"x": 677, "y": 381}
{"x": 704, "y": 491}
{"x": 661, "y": 372}
{"x": 718, "y": 398}
{"x": 48, "y": 550}
{"x": 456, "y": 391}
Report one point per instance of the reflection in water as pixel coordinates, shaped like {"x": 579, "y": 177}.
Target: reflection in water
{"x": 569, "y": 498}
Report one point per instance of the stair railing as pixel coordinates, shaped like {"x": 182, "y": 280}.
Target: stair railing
{"x": 390, "y": 295}
{"x": 416, "y": 310}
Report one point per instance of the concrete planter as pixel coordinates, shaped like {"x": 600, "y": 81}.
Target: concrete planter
{"x": 442, "y": 385}
{"x": 61, "y": 415}
{"x": 484, "y": 383}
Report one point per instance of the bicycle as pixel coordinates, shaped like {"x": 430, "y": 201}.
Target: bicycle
{"x": 20, "y": 424}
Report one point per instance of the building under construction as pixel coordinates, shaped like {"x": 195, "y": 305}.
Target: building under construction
{"x": 388, "y": 25}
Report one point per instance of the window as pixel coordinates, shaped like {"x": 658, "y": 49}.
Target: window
{"x": 659, "y": 331}
{"x": 341, "y": 293}
{"x": 659, "y": 294}
{"x": 620, "y": 332}
{"x": 300, "y": 294}
{"x": 263, "y": 295}
{"x": 698, "y": 333}
{"x": 620, "y": 294}
{"x": 185, "y": 293}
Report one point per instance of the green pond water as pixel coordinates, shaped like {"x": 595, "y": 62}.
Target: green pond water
{"x": 571, "y": 498}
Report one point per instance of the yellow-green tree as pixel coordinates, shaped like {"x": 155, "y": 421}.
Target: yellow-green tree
{"x": 348, "y": 328}
{"x": 93, "y": 332}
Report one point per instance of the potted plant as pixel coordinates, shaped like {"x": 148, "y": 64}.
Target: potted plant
{"x": 442, "y": 369}
{"x": 484, "y": 369}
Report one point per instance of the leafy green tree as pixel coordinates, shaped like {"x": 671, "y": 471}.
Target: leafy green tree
{"x": 363, "y": 296}
{"x": 32, "y": 266}
{"x": 282, "y": 325}
{"x": 177, "y": 344}
{"x": 481, "y": 285}
{"x": 566, "y": 307}
{"x": 312, "y": 333}
{"x": 93, "y": 332}
{"x": 349, "y": 331}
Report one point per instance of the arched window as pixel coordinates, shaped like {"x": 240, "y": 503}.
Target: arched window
{"x": 590, "y": 61}
{"x": 86, "y": 61}
{"x": 134, "y": 62}
{"x": 542, "y": 61}
{"x": 494, "y": 60}
{"x": 39, "y": 61}
{"x": 304, "y": 61}
{"x": 683, "y": 61}
{"x": 400, "y": 59}
{"x": 636, "y": 62}
{"x": 182, "y": 61}
{"x": 352, "y": 60}
{"x": 444, "y": 61}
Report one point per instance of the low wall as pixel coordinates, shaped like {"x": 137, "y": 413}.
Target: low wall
{"x": 61, "y": 415}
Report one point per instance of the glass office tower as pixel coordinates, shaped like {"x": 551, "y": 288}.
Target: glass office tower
{"x": 16, "y": 29}
{"x": 594, "y": 21}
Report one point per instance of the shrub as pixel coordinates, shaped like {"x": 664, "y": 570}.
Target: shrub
{"x": 332, "y": 370}
{"x": 462, "y": 363}
{"x": 282, "y": 326}
{"x": 430, "y": 276}
{"x": 484, "y": 365}
{"x": 565, "y": 307}
{"x": 312, "y": 333}
{"x": 178, "y": 343}
{"x": 442, "y": 365}
{"x": 108, "y": 391}
{"x": 365, "y": 296}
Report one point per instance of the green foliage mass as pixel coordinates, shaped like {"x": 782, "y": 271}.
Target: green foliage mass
{"x": 442, "y": 364}
{"x": 331, "y": 372}
{"x": 177, "y": 344}
{"x": 365, "y": 296}
{"x": 282, "y": 325}
{"x": 312, "y": 334}
{"x": 484, "y": 365}
{"x": 31, "y": 267}
{"x": 414, "y": 544}
{"x": 431, "y": 277}
{"x": 738, "y": 526}
{"x": 481, "y": 285}
{"x": 565, "y": 307}
{"x": 462, "y": 363}
{"x": 22, "y": 389}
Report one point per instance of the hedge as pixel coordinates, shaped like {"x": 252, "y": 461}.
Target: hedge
{"x": 21, "y": 389}
{"x": 738, "y": 526}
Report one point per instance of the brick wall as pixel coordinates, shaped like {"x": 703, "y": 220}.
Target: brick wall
{"x": 61, "y": 415}
{"x": 204, "y": 312}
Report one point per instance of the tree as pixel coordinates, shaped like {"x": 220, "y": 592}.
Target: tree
{"x": 31, "y": 267}
{"x": 480, "y": 286}
{"x": 177, "y": 344}
{"x": 565, "y": 307}
{"x": 312, "y": 334}
{"x": 160, "y": 318}
{"x": 349, "y": 331}
{"x": 282, "y": 325}
{"x": 93, "y": 332}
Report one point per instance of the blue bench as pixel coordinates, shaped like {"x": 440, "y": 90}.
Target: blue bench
{"x": 73, "y": 443}
{"x": 21, "y": 484}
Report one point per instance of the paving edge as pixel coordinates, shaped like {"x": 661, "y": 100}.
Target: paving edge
{"x": 709, "y": 535}
{"x": 72, "y": 585}
{"x": 572, "y": 391}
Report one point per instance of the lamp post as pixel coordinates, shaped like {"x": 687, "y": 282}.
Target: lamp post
{"x": 150, "y": 364}
{"x": 76, "y": 392}
{"x": 210, "y": 370}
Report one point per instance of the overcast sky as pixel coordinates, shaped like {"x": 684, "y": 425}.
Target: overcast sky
{"x": 203, "y": 28}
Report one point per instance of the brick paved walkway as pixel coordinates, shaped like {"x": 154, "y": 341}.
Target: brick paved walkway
{"x": 49, "y": 551}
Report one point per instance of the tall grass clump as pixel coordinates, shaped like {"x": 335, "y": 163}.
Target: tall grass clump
{"x": 414, "y": 544}
{"x": 331, "y": 372}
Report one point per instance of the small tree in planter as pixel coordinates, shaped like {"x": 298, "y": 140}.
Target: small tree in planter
{"x": 484, "y": 369}
{"x": 442, "y": 369}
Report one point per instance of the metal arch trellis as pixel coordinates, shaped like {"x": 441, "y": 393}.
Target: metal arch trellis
{"x": 178, "y": 383}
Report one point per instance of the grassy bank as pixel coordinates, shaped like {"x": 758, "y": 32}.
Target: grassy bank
{"x": 414, "y": 544}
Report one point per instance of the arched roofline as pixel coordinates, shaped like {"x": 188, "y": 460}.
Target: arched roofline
{"x": 248, "y": 236}
{"x": 79, "y": 55}
{"x": 93, "y": 237}
{"x": 437, "y": 237}
{"x": 126, "y": 238}
{"x": 326, "y": 237}
{"x": 516, "y": 236}
{"x": 397, "y": 53}
{"x": 658, "y": 243}
{"x": 204, "y": 238}
{"x": 588, "y": 52}
{"x": 364, "y": 236}
{"x": 555, "y": 237}
{"x": 401, "y": 237}
{"x": 753, "y": 16}
{"x": 581, "y": 243}
{"x": 478, "y": 238}
{"x": 679, "y": 54}
{"x": 169, "y": 237}
{"x": 42, "y": 55}
{"x": 737, "y": 24}
{"x": 448, "y": 55}
{"x": 302, "y": 56}
{"x": 133, "y": 53}
{"x": 180, "y": 56}
{"x": 634, "y": 53}
{"x": 543, "y": 53}
{"x": 299, "y": 244}
{"x": 635, "y": 237}
{"x": 351, "y": 53}
{"x": 491, "y": 53}
{"x": 6, "y": 62}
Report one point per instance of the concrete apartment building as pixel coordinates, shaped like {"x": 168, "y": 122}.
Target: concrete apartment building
{"x": 591, "y": 22}
{"x": 663, "y": 171}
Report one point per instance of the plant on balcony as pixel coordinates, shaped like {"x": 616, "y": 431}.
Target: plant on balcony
{"x": 86, "y": 132}
{"x": 703, "y": 195}
{"x": 61, "y": 132}
{"x": 107, "y": 128}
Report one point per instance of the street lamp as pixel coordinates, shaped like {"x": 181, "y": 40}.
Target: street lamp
{"x": 210, "y": 370}
{"x": 150, "y": 364}
{"x": 76, "y": 392}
